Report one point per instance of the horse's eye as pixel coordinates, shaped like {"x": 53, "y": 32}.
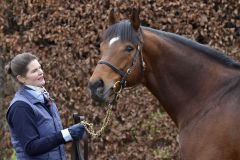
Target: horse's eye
{"x": 129, "y": 48}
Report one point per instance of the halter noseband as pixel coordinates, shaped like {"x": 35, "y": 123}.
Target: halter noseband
{"x": 124, "y": 75}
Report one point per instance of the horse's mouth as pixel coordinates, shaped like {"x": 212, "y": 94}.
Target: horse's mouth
{"x": 98, "y": 98}
{"x": 103, "y": 97}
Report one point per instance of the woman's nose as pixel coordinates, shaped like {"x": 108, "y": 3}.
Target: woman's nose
{"x": 40, "y": 71}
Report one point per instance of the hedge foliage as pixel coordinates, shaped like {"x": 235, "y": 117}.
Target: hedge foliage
{"x": 65, "y": 35}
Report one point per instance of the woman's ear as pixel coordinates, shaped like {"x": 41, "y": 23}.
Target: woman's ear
{"x": 21, "y": 79}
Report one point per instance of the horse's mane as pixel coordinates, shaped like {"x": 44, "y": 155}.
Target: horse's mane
{"x": 213, "y": 53}
{"x": 126, "y": 32}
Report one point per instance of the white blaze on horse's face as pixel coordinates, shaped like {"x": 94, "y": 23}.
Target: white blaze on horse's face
{"x": 114, "y": 39}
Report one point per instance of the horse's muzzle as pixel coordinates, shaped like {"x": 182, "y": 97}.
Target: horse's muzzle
{"x": 97, "y": 90}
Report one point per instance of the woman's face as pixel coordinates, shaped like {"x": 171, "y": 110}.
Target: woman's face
{"x": 34, "y": 75}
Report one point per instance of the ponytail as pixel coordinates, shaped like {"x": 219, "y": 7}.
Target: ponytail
{"x": 8, "y": 69}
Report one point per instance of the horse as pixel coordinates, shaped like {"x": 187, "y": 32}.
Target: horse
{"x": 198, "y": 86}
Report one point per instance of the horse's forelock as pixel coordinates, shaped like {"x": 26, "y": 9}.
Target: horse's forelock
{"x": 123, "y": 30}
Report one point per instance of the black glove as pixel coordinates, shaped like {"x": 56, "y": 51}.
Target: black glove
{"x": 76, "y": 131}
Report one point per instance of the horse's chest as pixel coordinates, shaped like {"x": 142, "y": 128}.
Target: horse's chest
{"x": 210, "y": 138}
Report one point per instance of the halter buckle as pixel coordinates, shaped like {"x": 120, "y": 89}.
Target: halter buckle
{"x": 117, "y": 87}
{"x": 129, "y": 71}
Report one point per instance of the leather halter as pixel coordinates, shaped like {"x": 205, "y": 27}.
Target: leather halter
{"x": 124, "y": 74}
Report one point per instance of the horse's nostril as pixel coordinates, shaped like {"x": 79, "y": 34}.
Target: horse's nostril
{"x": 100, "y": 83}
{"x": 96, "y": 84}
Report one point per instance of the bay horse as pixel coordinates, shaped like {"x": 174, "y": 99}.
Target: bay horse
{"x": 198, "y": 86}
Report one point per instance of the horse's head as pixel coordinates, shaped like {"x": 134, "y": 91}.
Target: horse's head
{"x": 121, "y": 63}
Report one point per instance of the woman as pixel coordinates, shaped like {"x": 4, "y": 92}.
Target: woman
{"x": 33, "y": 118}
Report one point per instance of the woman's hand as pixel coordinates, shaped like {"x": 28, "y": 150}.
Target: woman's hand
{"x": 76, "y": 131}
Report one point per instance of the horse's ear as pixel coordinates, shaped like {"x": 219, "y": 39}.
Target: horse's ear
{"x": 135, "y": 20}
{"x": 111, "y": 18}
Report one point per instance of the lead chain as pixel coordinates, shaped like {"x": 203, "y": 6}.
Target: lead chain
{"x": 90, "y": 128}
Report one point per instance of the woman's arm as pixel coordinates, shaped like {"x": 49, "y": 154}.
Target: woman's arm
{"x": 21, "y": 118}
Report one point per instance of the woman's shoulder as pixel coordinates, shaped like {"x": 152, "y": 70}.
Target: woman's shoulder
{"x": 19, "y": 105}
{"x": 17, "y": 108}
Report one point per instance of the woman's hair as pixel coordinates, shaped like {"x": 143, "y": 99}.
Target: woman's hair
{"x": 18, "y": 65}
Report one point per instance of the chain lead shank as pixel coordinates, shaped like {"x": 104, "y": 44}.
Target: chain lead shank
{"x": 89, "y": 126}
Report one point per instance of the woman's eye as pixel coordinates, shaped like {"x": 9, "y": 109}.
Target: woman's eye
{"x": 129, "y": 48}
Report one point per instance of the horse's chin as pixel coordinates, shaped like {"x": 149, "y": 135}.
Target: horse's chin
{"x": 103, "y": 99}
{"x": 98, "y": 99}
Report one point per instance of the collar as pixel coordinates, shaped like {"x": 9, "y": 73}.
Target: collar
{"x": 35, "y": 94}
{"x": 24, "y": 91}
{"x": 38, "y": 89}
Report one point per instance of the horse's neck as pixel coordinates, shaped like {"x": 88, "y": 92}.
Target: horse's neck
{"x": 182, "y": 79}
